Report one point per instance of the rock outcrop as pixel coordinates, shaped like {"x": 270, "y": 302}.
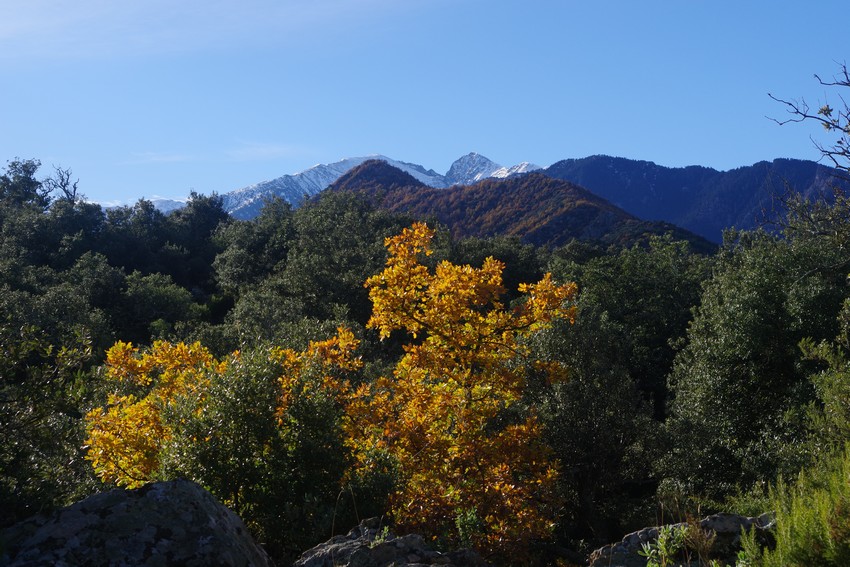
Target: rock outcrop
{"x": 721, "y": 535}
{"x": 368, "y": 545}
{"x": 165, "y": 523}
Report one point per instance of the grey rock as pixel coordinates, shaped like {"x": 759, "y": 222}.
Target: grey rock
{"x": 368, "y": 545}
{"x": 725, "y": 529}
{"x": 164, "y": 523}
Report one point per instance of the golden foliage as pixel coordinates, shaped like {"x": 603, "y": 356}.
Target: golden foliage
{"x": 319, "y": 370}
{"x": 473, "y": 467}
{"x": 439, "y": 415}
{"x": 125, "y": 438}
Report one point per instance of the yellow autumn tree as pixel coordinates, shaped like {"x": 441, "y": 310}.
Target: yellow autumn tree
{"x": 473, "y": 467}
{"x": 126, "y": 437}
{"x": 318, "y": 370}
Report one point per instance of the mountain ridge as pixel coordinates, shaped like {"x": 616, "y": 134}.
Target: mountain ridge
{"x": 534, "y": 207}
{"x": 245, "y": 203}
{"x": 701, "y": 199}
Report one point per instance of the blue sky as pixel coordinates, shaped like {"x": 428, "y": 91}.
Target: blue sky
{"x": 160, "y": 97}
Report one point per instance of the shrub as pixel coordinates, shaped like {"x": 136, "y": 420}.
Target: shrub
{"x": 812, "y": 519}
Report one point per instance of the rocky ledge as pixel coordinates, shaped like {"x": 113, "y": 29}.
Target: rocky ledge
{"x": 164, "y": 523}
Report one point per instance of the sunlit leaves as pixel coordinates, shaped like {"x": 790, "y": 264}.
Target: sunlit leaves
{"x": 449, "y": 414}
{"x": 319, "y": 370}
{"x": 125, "y": 438}
{"x": 41, "y": 388}
{"x": 450, "y": 425}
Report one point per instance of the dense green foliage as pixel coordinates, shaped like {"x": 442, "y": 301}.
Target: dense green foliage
{"x": 604, "y": 421}
{"x": 41, "y": 392}
{"x": 741, "y": 383}
{"x": 281, "y": 473}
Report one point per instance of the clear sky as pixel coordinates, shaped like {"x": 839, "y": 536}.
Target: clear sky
{"x": 159, "y": 97}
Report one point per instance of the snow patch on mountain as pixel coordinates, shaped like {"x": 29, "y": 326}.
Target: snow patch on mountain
{"x": 162, "y": 204}
{"x": 473, "y": 168}
{"x": 168, "y": 205}
{"x": 246, "y": 203}
{"x": 518, "y": 169}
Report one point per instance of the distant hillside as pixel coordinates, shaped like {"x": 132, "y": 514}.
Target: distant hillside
{"x": 535, "y": 207}
{"x": 375, "y": 179}
{"x": 700, "y": 199}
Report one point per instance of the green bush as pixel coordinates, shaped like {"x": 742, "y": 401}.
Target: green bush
{"x": 812, "y": 519}
{"x": 43, "y": 389}
{"x": 280, "y": 471}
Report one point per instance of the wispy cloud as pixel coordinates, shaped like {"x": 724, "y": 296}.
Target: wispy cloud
{"x": 259, "y": 151}
{"x": 242, "y": 151}
{"x": 109, "y": 28}
{"x": 137, "y": 158}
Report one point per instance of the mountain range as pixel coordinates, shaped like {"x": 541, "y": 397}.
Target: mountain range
{"x": 699, "y": 199}
{"x": 246, "y": 203}
{"x": 534, "y": 207}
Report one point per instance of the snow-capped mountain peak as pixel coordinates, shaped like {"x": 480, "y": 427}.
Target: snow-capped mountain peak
{"x": 166, "y": 206}
{"x": 325, "y": 174}
{"x": 469, "y": 169}
{"x": 246, "y": 203}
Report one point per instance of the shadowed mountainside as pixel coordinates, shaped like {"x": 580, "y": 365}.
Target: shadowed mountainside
{"x": 699, "y": 199}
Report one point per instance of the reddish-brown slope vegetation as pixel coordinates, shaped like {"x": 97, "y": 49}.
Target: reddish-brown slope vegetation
{"x": 538, "y": 209}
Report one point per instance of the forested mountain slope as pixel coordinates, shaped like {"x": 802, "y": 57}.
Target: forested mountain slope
{"x": 700, "y": 199}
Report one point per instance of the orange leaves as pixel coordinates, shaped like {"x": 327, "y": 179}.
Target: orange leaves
{"x": 406, "y": 296}
{"x": 448, "y": 417}
{"x": 412, "y": 241}
{"x": 124, "y": 441}
{"x": 394, "y": 291}
{"x": 545, "y": 303}
{"x": 338, "y": 351}
{"x": 459, "y": 306}
{"x": 174, "y": 367}
{"x": 450, "y": 424}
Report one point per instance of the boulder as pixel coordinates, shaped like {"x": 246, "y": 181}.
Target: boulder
{"x": 721, "y": 536}
{"x": 370, "y": 545}
{"x": 164, "y": 523}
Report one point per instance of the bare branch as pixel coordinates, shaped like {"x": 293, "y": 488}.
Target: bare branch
{"x": 831, "y": 119}
{"x": 61, "y": 181}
